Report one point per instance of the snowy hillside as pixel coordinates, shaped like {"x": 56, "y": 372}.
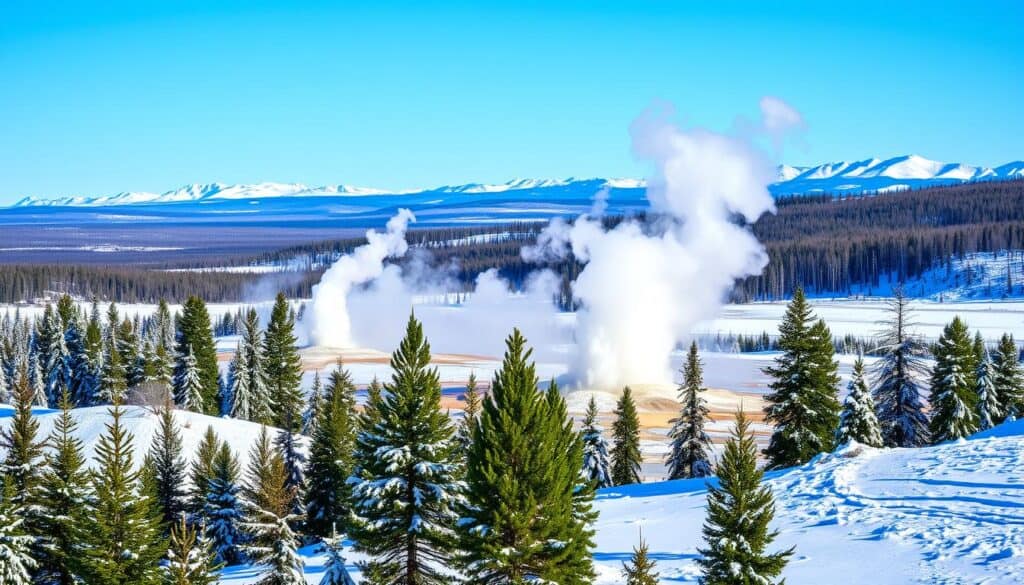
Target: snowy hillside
{"x": 902, "y": 172}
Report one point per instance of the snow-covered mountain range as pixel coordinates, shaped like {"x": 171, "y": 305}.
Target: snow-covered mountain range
{"x": 902, "y": 172}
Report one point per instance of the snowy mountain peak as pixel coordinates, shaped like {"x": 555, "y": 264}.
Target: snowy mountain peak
{"x": 868, "y": 175}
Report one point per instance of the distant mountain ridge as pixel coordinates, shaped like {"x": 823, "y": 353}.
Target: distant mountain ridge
{"x": 869, "y": 175}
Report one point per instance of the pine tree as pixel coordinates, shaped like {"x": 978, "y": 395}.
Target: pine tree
{"x": 201, "y": 471}
{"x": 168, "y": 466}
{"x": 294, "y": 470}
{"x": 21, "y": 467}
{"x": 858, "y": 421}
{"x": 953, "y": 398}
{"x": 57, "y": 366}
{"x": 1009, "y": 377}
{"x": 529, "y": 510}
{"x": 189, "y": 385}
{"x": 470, "y": 412}
{"x": 129, "y": 348}
{"x": 595, "y": 450}
{"x": 691, "y": 446}
{"x": 272, "y": 545}
{"x": 190, "y": 560}
{"x": 312, "y": 412}
{"x": 83, "y": 381}
{"x": 898, "y": 375}
{"x": 114, "y": 380}
{"x": 63, "y": 498}
{"x": 94, "y": 336}
{"x": 16, "y": 562}
{"x": 196, "y": 339}
{"x": 121, "y": 535}
{"x": 330, "y": 457}
{"x": 626, "y": 459}
{"x": 283, "y": 366}
{"x": 988, "y": 400}
{"x": 335, "y": 572}
{"x": 407, "y": 496}
{"x": 37, "y": 379}
{"x": 740, "y": 509}
{"x": 223, "y": 511}
{"x": 250, "y": 395}
{"x": 640, "y": 569}
{"x": 802, "y": 405}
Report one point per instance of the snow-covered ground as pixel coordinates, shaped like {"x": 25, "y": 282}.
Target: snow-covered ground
{"x": 951, "y": 514}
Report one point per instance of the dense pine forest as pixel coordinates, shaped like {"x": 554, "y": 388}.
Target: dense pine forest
{"x": 826, "y": 243}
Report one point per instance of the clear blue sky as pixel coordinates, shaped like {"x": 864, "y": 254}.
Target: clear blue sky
{"x": 111, "y": 96}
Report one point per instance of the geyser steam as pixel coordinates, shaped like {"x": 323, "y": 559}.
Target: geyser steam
{"x": 329, "y": 323}
{"x": 644, "y": 286}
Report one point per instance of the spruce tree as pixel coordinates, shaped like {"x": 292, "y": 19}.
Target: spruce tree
{"x": 1009, "y": 376}
{"x": 57, "y": 365}
{"x": 898, "y": 375}
{"x": 84, "y": 383}
{"x": 272, "y": 544}
{"x": 188, "y": 385}
{"x": 122, "y": 518}
{"x": 406, "y": 498}
{"x": 94, "y": 336}
{"x": 283, "y": 366}
{"x": 197, "y": 339}
{"x": 250, "y": 395}
{"x": 114, "y": 381}
{"x": 469, "y": 412}
{"x": 313, "y": 405}
{"x": 802, "y": 405}
{"x": 190, "y": 560}
{"x": 201, "y": 471}
{"x": 640, "y": 569}
{"x": 596, "y": 468}
{"x": 953, "y": 397}
{"x": 626, "y": 458}
{"x": 740, "y": 508}
{"x": 21, "y": 467}
{"x": 335, "y": 571}
{"x": 63, "y": 499}
{"x": 988, "y": 400}
{"x": 330, "y": 457}
{"x": 690, "y": 454}
{"x": 168, "y": 466}
{"x": 294, "y": 469}
{"x": 529, "y": 511}
{"x": 16, "y": 561}
{"x": 223, "y": 511}
{"x": 858, "y": 421}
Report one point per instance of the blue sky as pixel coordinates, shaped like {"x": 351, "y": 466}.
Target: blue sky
{"x": 117, "y": 96}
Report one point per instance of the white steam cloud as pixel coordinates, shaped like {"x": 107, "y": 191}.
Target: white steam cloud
{"x": 330, "y": 324}
{"x": 643, "y": 286}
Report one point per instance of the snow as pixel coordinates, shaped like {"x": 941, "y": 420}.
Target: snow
{"x": 873, "y": 174}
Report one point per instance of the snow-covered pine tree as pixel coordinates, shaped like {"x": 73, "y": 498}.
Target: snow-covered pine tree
{"x": 129, "y": 347}
{"x": 690, "y": 454}
{"x": 283, "y": 366}
{"x": 196, "y": 334}
{"x": 168, "y": 465}
{"x": 953, "y": 397}
{"x": 897, "y": 378}
{"x": 595, "y": 449}
{"x": 238, "y": 393}
{"x": 626, "y": 459}
{"x": 223, "y": 511}
{"x": 313, "y": 404}
{"x": 407, "y": 495}
{"x": 335, "y": 572}
{"x": 272, "y": 545}
{"x": 121, "y": 534}
{"x": 527, "y": 503}
{"x": 294, "y": 470}
{"x": 802, "y": 405}
{"x": 94, "y": 337}
{"x": 1009, "y": 377}
{"x": 858, "y": 421}
{"x": 740, "y": 508}
{"x": 190, "y": 560}
{"x": 988, "y": 400}
{"x": 470, "y": 412}
{"x": 36, "y": 379}
{"x": 16, "y": 561}
{"x": 330, "y": 457}
{"x": 188, "y": 386}
{"x": 200, "y": 472}
{"x": 114, "y": 378}
{"x": 57, "y": 366}
{"x": 84, "y": 378}
{"x": 640, "y": 569}
{"x": 64, "y": 493}
{"x": 22, "y": 469}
